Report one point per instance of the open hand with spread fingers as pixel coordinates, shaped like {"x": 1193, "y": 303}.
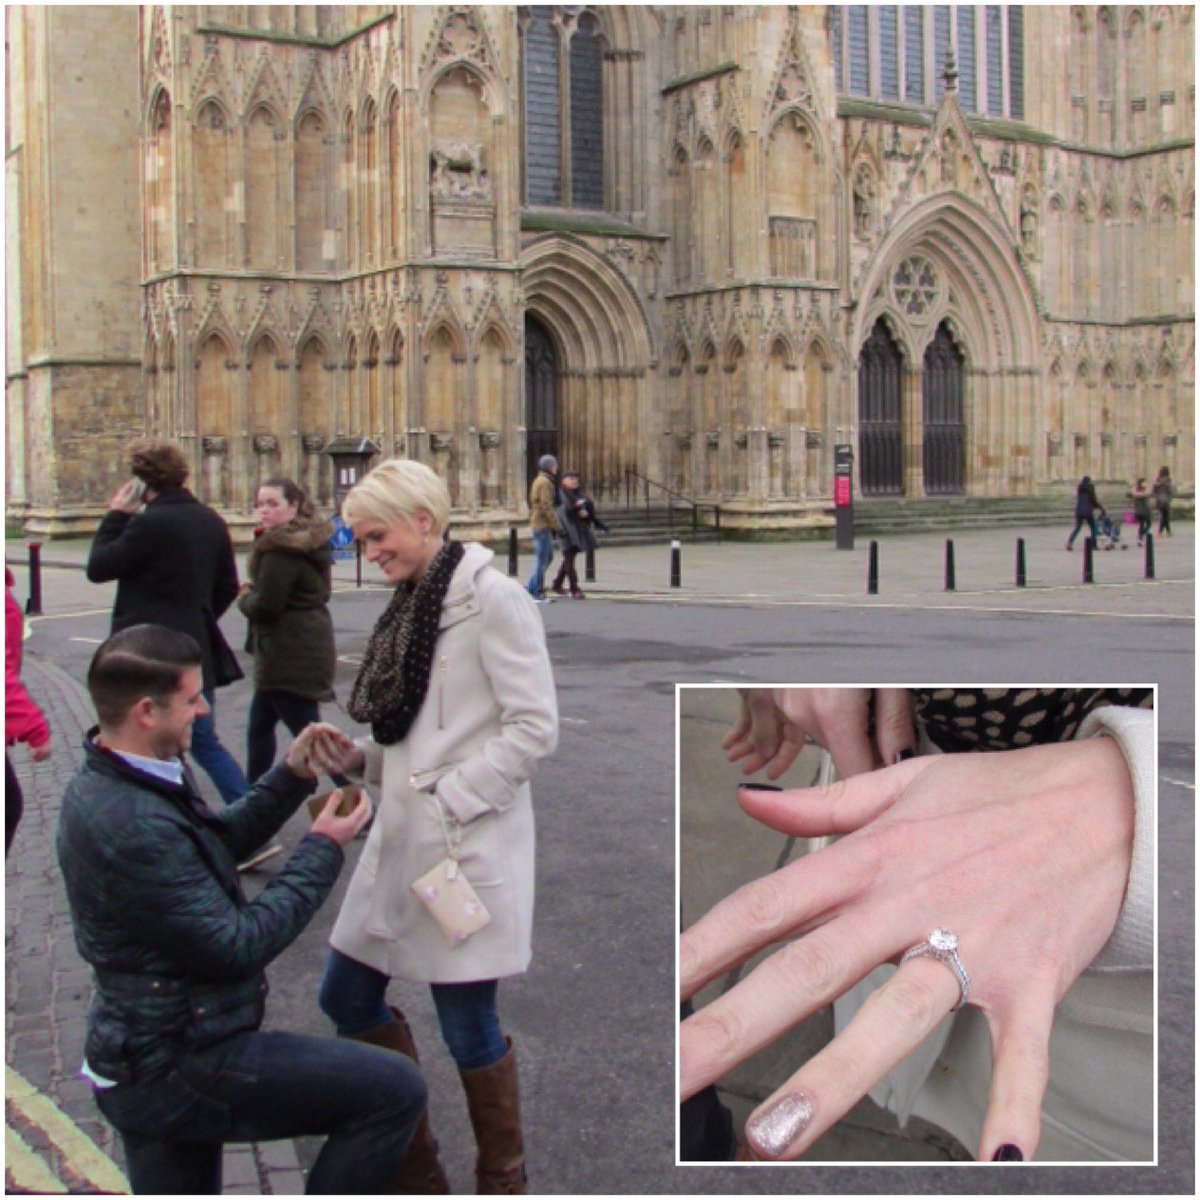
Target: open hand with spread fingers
{"x": 862, "y": 728}
{"x": 993, "y": 880}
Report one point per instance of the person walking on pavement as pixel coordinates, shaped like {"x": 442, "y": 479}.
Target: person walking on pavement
{"x": 1140, "y": 494}
{"x": 23, "y": 720}
{"x": 543, "y": 498}
{"x": 1086, "y": 507}
{"x": 1164, "y": 489}
{"x": 577, "y": 525}
{"x": 174, "y": 566}
{"x": 289, "y": 629}
{"x": 457, "y": 688}
{"x": 173, "y": 1050}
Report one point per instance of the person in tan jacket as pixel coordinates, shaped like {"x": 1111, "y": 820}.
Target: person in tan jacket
{"x": 543, "y": 499}
{"x": 457, "y": 688}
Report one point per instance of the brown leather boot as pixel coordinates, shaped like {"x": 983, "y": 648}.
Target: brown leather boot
{"x": 496, "y": 1118}
{"x": 421, "y": 1171}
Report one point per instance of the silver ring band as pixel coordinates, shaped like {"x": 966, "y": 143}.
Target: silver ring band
{"x": 943, "y": 945}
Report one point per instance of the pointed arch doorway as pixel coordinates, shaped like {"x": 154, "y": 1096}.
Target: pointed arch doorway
{"x": 880, "y": 446}
{"x": 541, "y": 396}
{"x": 943, "y": 431}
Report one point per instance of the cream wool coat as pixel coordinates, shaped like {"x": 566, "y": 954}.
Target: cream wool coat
{"x": 489, "y": 715}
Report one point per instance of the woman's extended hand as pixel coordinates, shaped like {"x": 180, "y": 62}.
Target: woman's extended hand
{"x": 1023, "y": 854}
{"x": 775, "y": 723}
{"x": 323, "y": 748}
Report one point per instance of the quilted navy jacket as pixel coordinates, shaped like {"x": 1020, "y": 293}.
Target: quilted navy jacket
{"x": 177, "y": 950}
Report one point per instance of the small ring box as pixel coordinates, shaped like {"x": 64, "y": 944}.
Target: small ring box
{"x": 348, "y": 804}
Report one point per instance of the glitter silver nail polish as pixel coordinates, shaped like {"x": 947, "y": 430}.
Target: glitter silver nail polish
{"x": 777, "y": 1127}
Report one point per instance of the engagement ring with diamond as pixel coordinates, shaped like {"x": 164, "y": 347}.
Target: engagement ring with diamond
{"x": 943, "y": 945}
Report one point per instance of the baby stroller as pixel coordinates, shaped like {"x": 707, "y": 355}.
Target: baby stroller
{"x": 1108, "y": 533}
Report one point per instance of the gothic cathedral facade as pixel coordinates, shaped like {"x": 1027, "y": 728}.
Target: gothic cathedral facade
{"x": 688, "y": 249}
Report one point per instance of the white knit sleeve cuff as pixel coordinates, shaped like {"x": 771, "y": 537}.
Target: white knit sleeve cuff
{"x": 1131, "y": 946}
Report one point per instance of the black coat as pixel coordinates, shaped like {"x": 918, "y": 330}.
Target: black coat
{"x": 151, "y": 874}
{"x": 173, "y": 560}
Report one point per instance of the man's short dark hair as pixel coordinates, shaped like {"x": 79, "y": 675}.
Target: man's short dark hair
{"x": 159, "y": 463}
{"x": 143, "y": 660}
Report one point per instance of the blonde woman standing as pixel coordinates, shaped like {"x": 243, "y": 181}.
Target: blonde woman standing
{"x": 457, "y": 688}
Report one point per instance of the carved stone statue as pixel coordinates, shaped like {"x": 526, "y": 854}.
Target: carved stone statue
{"x": 457, "y": 172}
{"x": 864, "y": 202}
{"x": 1028, "y": 226}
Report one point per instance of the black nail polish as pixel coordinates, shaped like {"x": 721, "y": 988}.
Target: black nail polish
{"x": 760, "y": 787}
{"x": 1008, "y": 1153}
{"x": 905, "y": 754}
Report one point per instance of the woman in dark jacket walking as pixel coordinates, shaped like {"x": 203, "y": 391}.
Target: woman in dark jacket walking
{"x": 1086, "y": 508}
{"x": 577, "y": 525}
{"x": 1164, "y": 489}
{"x": 290, "y": 631}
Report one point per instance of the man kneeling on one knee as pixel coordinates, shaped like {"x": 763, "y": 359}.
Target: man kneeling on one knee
{"x": 173, "y": 1048}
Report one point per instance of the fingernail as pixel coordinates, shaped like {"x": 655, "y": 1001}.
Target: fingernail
{"x": 759, "y": 787}
{"x": 1008, "y": 1153}
{"x": 905, "y": 754}
{"x": 774, "y": 1129}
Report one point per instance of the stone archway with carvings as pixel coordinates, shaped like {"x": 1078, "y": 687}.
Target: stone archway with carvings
{"x": 947, "y": 275}
{"x": 603, "y": 349}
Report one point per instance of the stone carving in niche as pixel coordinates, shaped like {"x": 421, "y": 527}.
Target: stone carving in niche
{"x": 457, "y": 171}
{"x": 1029, "y": 225}
{"x": 441, "y": 441}
{"x": 864, "y": 201}
{"x": 214, "y": 445}
{"x": 313, "y": 443}
{"x": 489, "y": 439}
{"x": 915, "y": 286}
{"x": 265, "y": 443}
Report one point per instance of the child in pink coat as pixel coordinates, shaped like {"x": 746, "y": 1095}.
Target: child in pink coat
{"x": 23, "y": 720}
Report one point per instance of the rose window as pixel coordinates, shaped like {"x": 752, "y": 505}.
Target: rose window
{"x": 915, "y": 286}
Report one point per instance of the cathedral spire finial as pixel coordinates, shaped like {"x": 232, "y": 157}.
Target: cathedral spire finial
{"x": 950, "y": 71}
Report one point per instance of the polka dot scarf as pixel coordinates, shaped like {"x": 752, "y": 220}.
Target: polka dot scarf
{"x": 959, "y": 719}
{"x": 394, "y": 677}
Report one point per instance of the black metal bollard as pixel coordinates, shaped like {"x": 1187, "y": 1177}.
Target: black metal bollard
{"x": 873, "y": 570}
{"x": 1020, "y": 562}
{"x": 676, "y": 568}
{"x": 512, "y": 551}
{"x": 1149, "y": 556}
{"x": 357, "y": 563}
{"x": 949, "y": 565}
{"x": 1087, "y": 561}
{"x": 589, "y": 565}
{"x": 33, "y": 606}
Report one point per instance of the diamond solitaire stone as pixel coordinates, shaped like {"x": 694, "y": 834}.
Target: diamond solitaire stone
{"x": 943, "y": 940}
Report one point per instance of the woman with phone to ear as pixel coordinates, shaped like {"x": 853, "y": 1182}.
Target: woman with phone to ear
{"x": 457, "y": 689}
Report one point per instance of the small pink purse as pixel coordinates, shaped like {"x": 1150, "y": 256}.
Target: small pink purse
{"x": 447, "y": 893}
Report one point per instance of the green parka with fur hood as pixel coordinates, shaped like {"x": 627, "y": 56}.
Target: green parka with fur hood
{"x": 290, "y": 631}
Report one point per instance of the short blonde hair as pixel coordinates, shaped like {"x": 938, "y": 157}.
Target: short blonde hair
{"x": 395, "y": 491}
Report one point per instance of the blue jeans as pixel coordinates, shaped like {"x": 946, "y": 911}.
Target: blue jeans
{"x": 543, "y": 551}
{"x": 267, "y": 709}
{"x": 219, "y": 765}
{"x": 352, "y": 997}
{"x": 1080, "y": 522}
{"x": 256, "y": 1087}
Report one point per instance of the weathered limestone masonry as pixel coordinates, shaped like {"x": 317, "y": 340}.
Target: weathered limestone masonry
{"x": 696, "y": 245}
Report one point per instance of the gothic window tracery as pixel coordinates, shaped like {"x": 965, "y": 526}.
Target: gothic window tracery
{"x": 879, "y": 51}
{"x": 562, "y": 64}
{"x": 915, "y": 286}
